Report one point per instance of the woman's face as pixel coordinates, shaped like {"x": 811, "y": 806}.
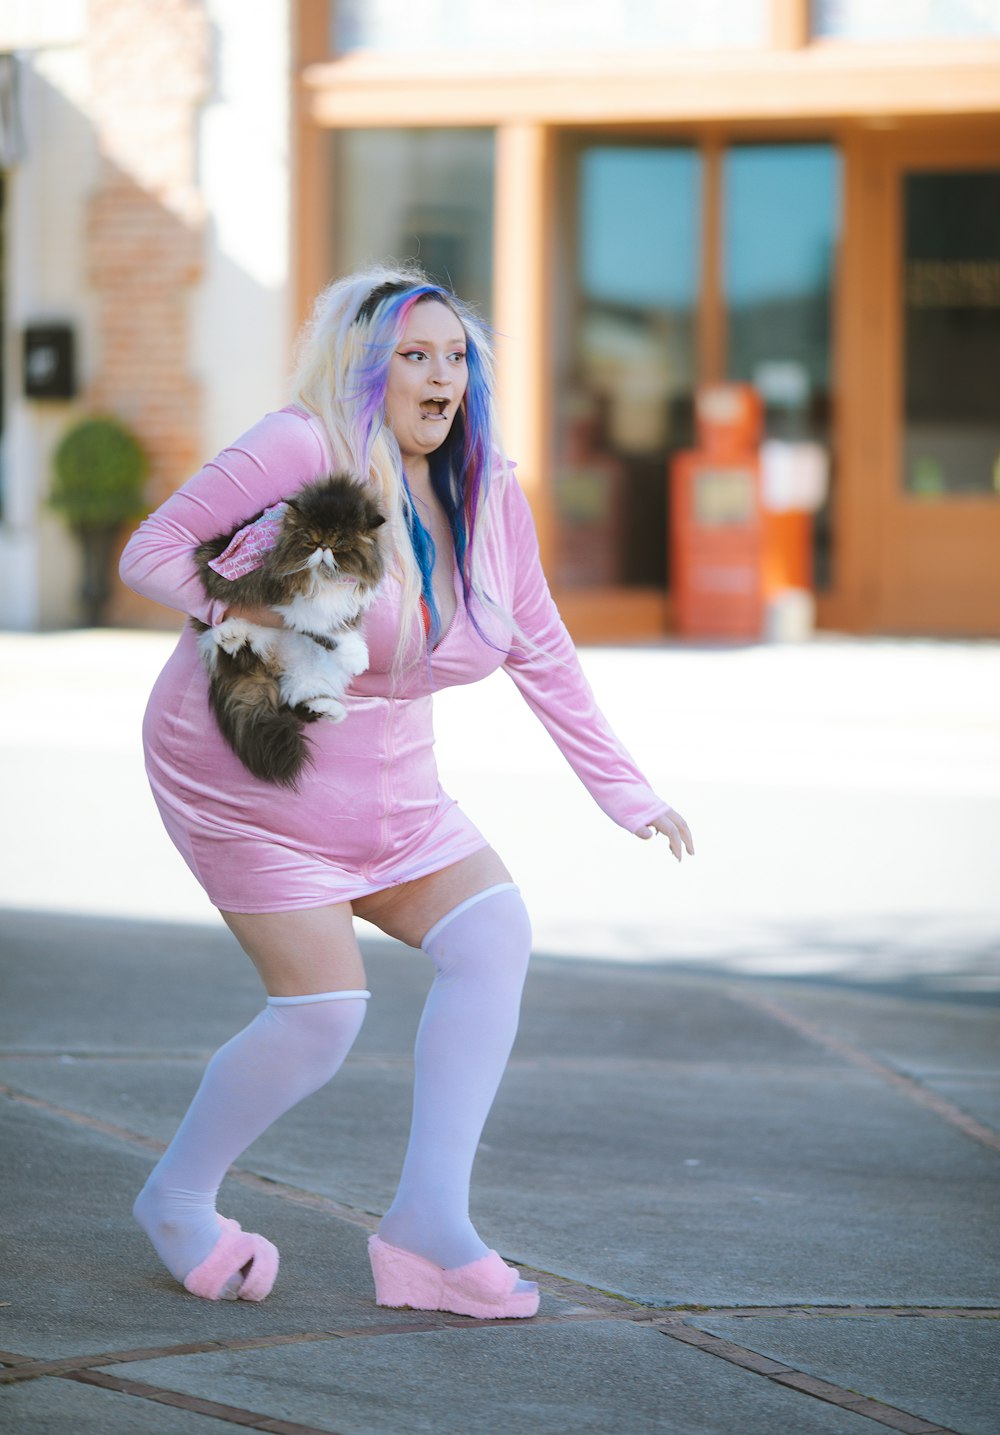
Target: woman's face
{"x": 428, "y": 374}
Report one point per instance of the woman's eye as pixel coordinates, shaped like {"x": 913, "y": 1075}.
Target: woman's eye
{"x": 458, "y": 356}
{"x": 413, "y": 354}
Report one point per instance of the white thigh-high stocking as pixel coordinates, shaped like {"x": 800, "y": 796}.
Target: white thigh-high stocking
{"x": 481, "y": 951}
{"x": 291, "y": 1049}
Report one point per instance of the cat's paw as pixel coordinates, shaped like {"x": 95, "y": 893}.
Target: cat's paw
{"x": 328, "y": 708}
{"x": 352, "y": 653}
{"x": 231, "y": 635}
{"x": 307, "y": 688}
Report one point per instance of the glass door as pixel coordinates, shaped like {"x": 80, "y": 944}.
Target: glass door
{"x": 938, "y": 556}
{"x": 950, "y": 304}
{"x": 646, "y": 271}
{"x": 416, "y": 195}
{"x": 781, "y": 215}
{"x": 626, "y": 358}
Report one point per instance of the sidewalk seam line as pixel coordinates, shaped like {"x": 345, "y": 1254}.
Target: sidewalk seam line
{"x": 908, "y": 1086}
{"x": 743, "y": 1357}
{"x": 28, "y": 1368}
{"x": 196, "y": 1405}
{"x": 799, "y": 1380}
{"x": 20, "y": 1368}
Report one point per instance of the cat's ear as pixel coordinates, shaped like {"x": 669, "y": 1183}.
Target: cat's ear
{"x": 378, "y": 520}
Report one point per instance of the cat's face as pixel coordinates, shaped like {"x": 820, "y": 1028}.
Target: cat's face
{"x": 331, "y": 534}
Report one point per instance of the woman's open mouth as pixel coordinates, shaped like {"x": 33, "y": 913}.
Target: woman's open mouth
{"x": 434, "y": 408}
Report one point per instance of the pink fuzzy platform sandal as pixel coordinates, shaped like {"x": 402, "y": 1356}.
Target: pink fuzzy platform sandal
{"x": 484, "y": 1288}
{"x": 235, "y": 1249}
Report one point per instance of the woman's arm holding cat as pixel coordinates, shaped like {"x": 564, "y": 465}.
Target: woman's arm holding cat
{"x": 273, "y": 459}
{"x": 260, "y": 617}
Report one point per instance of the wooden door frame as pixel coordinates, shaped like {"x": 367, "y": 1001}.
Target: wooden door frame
{"x": 882, "y": 526}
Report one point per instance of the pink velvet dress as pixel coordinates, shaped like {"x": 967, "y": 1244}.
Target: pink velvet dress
{"x": 370, "y": 812}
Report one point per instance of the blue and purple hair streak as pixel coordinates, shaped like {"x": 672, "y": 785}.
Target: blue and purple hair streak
{"x": 461, "y": 469}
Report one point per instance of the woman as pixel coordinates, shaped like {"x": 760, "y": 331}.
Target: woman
{"x": 395, "y": 382}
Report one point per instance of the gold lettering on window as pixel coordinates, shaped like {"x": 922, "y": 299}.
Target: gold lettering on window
{"x": 953, "y": 284}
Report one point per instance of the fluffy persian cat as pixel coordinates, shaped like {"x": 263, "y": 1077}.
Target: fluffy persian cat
{"x": 317, "y": 560}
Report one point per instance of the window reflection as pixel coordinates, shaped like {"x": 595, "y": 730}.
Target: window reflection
{"x": 904, "y": 19}
{"x": 625, "y": 392}
{"x": 424, "y": 195}
{"x": 951, "y": 325}
{"x": 781, "y": 207}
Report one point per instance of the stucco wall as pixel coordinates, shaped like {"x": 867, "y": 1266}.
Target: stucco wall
{"x": 45, "y": 280}
{"x": 151, "y": 211}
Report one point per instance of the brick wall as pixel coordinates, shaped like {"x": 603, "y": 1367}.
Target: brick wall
{"x": 150, "y": 71}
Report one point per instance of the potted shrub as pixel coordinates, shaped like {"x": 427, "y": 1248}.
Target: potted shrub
{"x": 100, "y": 471}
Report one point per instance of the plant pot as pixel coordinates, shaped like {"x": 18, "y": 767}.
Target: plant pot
{"x": 97, "y": 541}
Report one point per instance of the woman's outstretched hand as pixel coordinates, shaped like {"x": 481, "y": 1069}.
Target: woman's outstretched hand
{"x": 674, "y": 829}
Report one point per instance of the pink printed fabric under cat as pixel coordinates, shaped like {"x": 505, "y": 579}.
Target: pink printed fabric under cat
{"x": 249, "y": 547}
{"x": 372, "y": 813}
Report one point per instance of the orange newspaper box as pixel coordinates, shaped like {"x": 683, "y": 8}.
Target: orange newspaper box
{"x": 717, "y": 519}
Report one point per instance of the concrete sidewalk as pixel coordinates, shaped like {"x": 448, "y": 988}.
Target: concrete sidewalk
{"x": 749, "y": 1142}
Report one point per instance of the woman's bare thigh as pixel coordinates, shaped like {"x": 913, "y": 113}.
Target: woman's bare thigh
{"x": 315, "y": 950}
{"x": 300, "y": 953}
{"x": 408, "y": 912}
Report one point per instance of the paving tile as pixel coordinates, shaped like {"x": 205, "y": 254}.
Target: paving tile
{"x": 54, "y": 1407}
{"x": 589, "y": 1379}
{"x": 941, "y": 1369}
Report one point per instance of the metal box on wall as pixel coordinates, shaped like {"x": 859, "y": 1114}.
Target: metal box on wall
{"x": 49, "y": 362}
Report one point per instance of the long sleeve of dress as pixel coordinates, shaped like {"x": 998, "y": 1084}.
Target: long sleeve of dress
{"x": 270, "y": 461}
{"x": 552, "y": 683}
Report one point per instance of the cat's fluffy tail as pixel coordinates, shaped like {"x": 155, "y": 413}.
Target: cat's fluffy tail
{"x": 267, "y": 736}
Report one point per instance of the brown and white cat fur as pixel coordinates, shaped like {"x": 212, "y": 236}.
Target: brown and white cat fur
{"x": 321, "y": 576}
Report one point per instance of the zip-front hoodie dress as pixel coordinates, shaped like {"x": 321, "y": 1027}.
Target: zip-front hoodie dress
{"x": 370, "y": 811}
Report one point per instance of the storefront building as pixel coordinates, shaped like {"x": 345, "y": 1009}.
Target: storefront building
{"x": 643, "y": 196}
{"x": 648, "y": 197}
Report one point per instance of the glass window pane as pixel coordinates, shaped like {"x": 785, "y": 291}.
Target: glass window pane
{"x": 424, "y": 195}
{"x": 904, "y": 19}
{"x": 517, "y": 27}
{"x": 627, "y": 369}
{"x": 951, "y": 326}
{"x": 781, "y": 222}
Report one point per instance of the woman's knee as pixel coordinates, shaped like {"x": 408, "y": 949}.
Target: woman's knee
{"x": 315, "y": 1033}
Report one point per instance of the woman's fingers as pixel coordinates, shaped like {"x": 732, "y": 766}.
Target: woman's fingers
{"x": 684, "y": 830}
{"x": 673, "y": 827}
